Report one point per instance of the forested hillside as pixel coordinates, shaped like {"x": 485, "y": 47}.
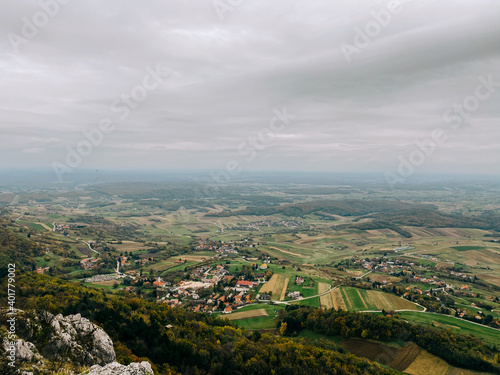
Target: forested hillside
{"x": 177, "y": 341}
{"x": 386, "y": 214}
{"x": 343, "y": 208}
{"x": 16, "y": 248}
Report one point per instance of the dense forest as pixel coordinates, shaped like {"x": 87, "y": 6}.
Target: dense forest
{"x": 16, "y": 248}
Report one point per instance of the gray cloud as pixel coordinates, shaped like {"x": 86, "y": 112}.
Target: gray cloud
{"x": 226, "y": 77}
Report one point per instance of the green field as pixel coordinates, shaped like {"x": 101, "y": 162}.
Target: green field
{"x": 266, "y": 322}
{"x": 304, "y": 291}
{"x": 356, "y": 299}
{"x": 318, "y": 336}
{"x": 466, "y": 248}
{"x": 34, "y": 226}
{"x": 313, "y": 302}
{"x": 489, "y": 335}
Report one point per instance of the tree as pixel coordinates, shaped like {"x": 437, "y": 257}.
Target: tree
{"x": 283, "y": 328}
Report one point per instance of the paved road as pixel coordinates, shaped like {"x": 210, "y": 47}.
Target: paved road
{"x": 90, "y": 247}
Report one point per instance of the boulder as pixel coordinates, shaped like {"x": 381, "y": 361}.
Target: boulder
{"x": 143, "y": 368}
{"x": 81, "y": 339}
{"x": 73, "y": 339}
{"x": 25, "y": 351}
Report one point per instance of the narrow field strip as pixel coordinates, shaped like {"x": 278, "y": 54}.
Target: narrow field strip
{"x": 247, "y": 314}
{"x": 337, "y": 300}
{"x": 283, "y": 291}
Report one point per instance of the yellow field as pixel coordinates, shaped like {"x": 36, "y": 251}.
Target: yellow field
{"x": 491, "y": 279}
{"x": 331, "y": 300}
{"x": 192, "y": 258}
{"x": 283, "y": 291}
{"x": 427, "y": 363}
{"x": 337, "y": 300}
{"x": 322, "y": 287}
{"x": 247, "y": 314}
{"x": 270, "y": 285}
{"x": 129, "y": 246}
{"x": 276, "y": 284}
{"x": 326, "y": 300}
{"x": 287, "y": 252}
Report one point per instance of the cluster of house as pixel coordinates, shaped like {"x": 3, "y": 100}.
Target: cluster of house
{"x": 227, "y": 249}
{"x": 293, "y": 295}
{"x": 434, "y": 280}
{"x": 187, "y": 293}
{"x": 272, "y": 224}
{"x": 89, "y": 263}
{"x": 61, "y": 226}
{"x": 385, "y": 265}
{"x": 463, "y": 313}
{"x": 459, "y": 274}
{"x": 221, "y": 248}
{"x": 123, "y": 261}
{"x": 42, "y": 270}
{"x": 209, "y": 275}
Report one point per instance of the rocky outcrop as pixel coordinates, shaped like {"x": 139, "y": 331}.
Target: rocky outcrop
{"x": 25, "y": 351}
{"x": 77, "y": 338}
{"x": 143, "y": 368}
{"x": 72, "y": 339}
{"x": 45, "y": 341}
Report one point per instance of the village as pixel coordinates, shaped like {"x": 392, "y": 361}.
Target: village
{"x": 207, "y": 287}
{"x": 443, "y": 290}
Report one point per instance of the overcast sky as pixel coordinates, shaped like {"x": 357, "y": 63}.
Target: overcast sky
{"x": 359, "y": 89}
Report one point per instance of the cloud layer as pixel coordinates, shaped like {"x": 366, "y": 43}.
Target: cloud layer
{"x": 227, "y": 67}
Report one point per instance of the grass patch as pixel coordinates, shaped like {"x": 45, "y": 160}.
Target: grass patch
{"x": 317, "y": 336}
{"x": 356, "y": 299}
{"x": 313, "y": 302}
{"x": 467, "y": 248}
{"x": 257, "y": 323}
